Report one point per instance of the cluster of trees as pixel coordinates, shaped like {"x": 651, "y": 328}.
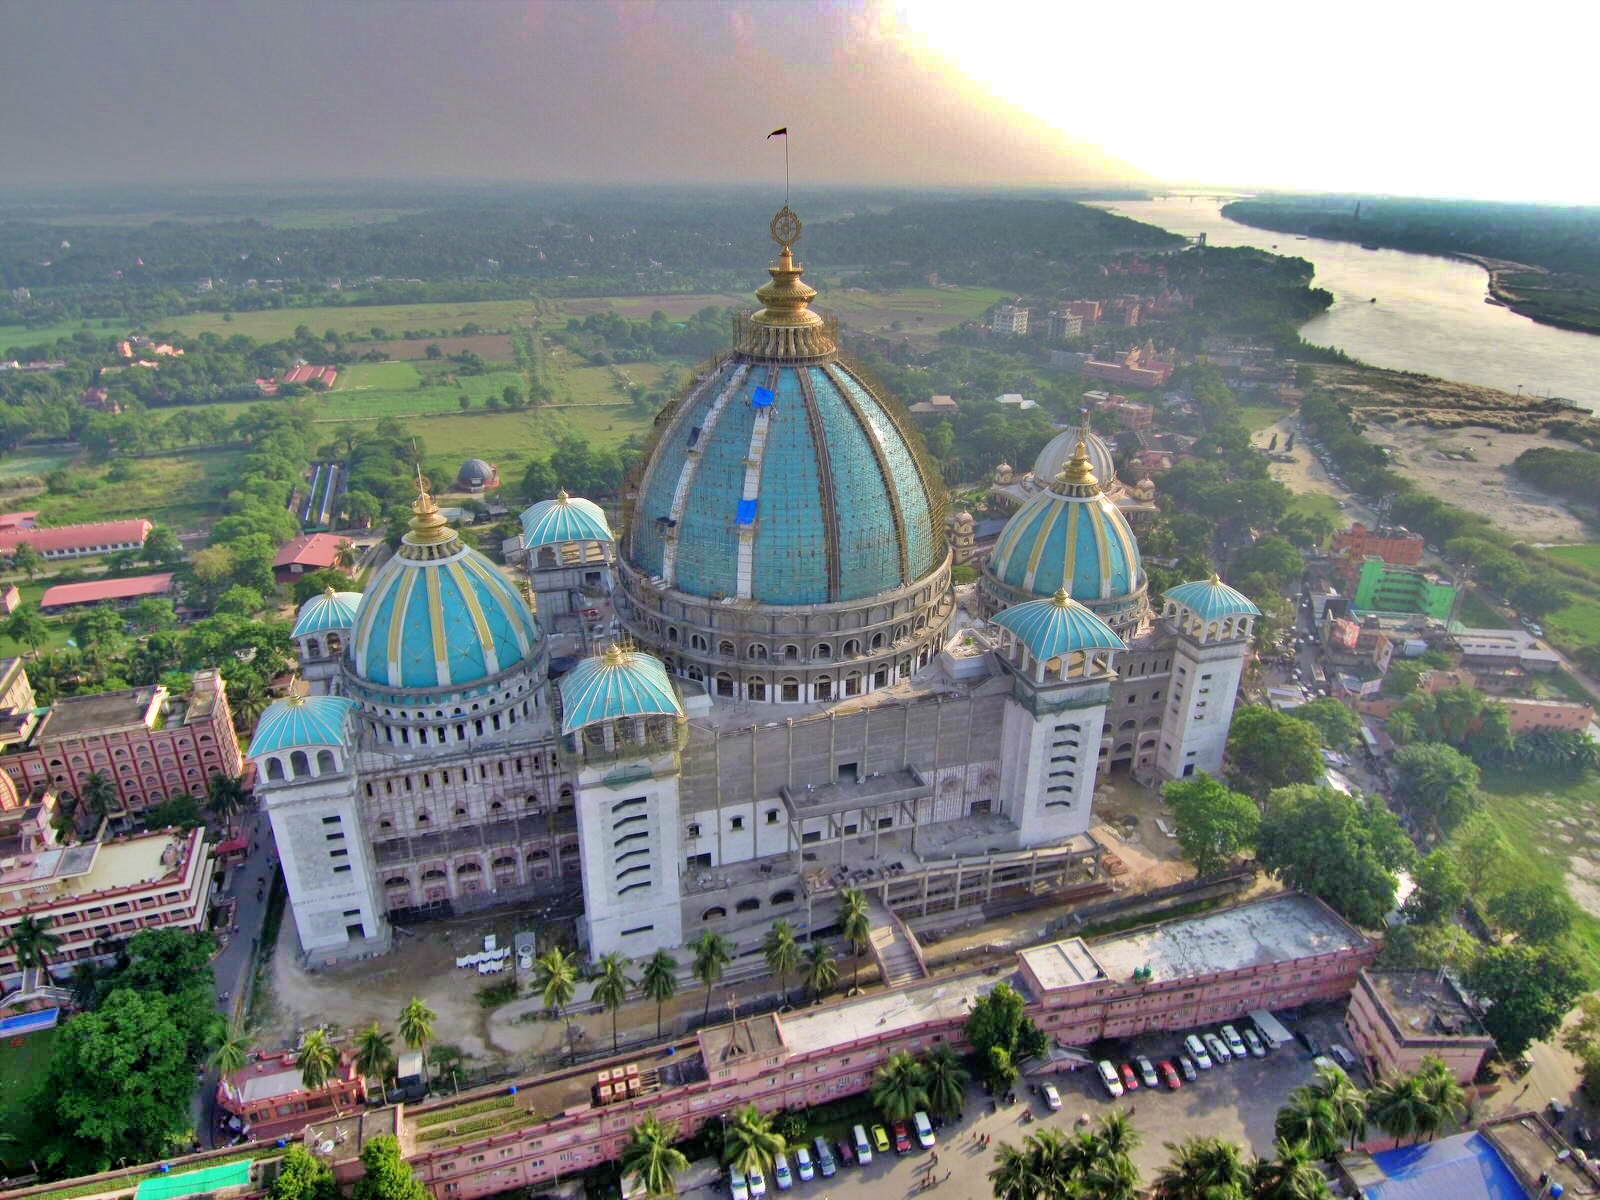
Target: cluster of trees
{"x": 582, "y": 469}
{"x": 1573, "y": 474}
{"x": 609, "y": 337}
{"x": 1002, "y": 1036}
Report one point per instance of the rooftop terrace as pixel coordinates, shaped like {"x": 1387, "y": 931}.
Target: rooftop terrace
{"x": 1425, "y": 1003}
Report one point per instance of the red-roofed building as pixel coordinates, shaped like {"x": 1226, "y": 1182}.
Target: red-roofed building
{"x": 17, "y": 520}
{"x": 10, "y": 599}
{"x": 76, "y": 541}
{"x": 308, "y": 552}
{"x": 122, "y": 592}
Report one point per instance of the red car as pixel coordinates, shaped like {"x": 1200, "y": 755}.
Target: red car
{"x": 902, "y": 1137}
{"x": 1169, "y": 1075}
{"x": 1130, "y": 1081}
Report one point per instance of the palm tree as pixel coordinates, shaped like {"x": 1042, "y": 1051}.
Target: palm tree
{"x": 712, "y": 952}
{"x": 317, "y": 1060}
{"x": 225, "y": 796}
{"x": 781, "y": 949}
{"x": 555, "y": 978}
{"x": 416, "y": 1027}
{"x": 856, "y": 926}
{"x": 375, "y": 1055}
{"x": 99, "y": 794}
{"x": 1115, "y": 1133}
{"x": 1293, "y": 1175}
{"x": 611, "y": 988}
{"x": 1309, "y": 1120}
{"x": 749, "y": 1142}
{"x": 1203, "y": 1168}
{"x": 898, "y": 1088}
{"x": 1111, "y": 1177}
{"x": 1401, "y": 1108}
{"x": 32, "y": 942}
{"x": 232, "y": 1052}
{"x": 344, "y": 555}
{"x": 821, "y": 972}
{"x": 1448, "y": 1098}
{"x": 946, "y": 1081}
{"x": 650, "y": 1156}
{"x": 659, "y": 979}
{"x": 1015, "y": 1174}
{"x": 1348, "y": 1102}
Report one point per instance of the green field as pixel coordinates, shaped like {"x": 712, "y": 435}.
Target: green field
{"x": 21, "y": 335}
{"x": 272, "y": 325}
{"x": 1577, "y": 622}
{"x": 511, "y": 439}
{"x": 184, "y": 491}
{"x": 1474, "y": 613}
{"x": 1551, "y": 831}
{"x": 1311, "y": 503}
{"x": 22, "y": 1066}
{"x": 1586, "y": 555}
{"x": 21, "y": 465}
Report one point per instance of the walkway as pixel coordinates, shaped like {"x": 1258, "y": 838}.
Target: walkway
{"x": 894, "y": 946}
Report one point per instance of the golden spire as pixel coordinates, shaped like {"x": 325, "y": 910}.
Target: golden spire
{"x": 295, "y": 694}
{"x": 614, "y": 657}
{"x": 1061, "y": 599}
{"x": 329, "y": 592}
{"x": 785, "y": 327}
{"x": 1215, "y": 578}
{"x": 428, "y": 526}
{"x": 1079, "y": 470}
{"x": 561, "y": 496}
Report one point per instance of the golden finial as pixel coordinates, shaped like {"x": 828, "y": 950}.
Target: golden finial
{"x": 561, "y": 496}
{"x": 1079, "y": 470}
{"x": 785, "y": 227}
{"x": 329, "y": 592}
{"x": 614, "y": 657}
{"x": 1061, "y": 599}
{"x": 1215, "y": 578}
{"x": 295, "y": 695}
{"x": 428, "y": 526}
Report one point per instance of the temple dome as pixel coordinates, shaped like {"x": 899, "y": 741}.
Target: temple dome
{"x": 1059, "y": 625}
{"x": 439, "y": 615}
{"x": 1211, "y": 599}
{"x": 1069, "y": 536}
{"x": 1058, "y": 452}
{"x": 564, "y": 519}
{"x": 618, "y": 683}
{"x": 298, "y": 720}
{"x": 327, "y": 610}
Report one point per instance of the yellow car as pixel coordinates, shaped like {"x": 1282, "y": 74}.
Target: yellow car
{"x": 880, "y": 1139}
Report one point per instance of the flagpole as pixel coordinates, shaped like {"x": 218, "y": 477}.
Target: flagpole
{"x": 786, "y": 170}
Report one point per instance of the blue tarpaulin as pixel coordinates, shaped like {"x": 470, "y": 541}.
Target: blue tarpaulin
{"x": 747, "y": 512}
{"x": 1464, "y": 1167}
{"x": 761, "y": 397}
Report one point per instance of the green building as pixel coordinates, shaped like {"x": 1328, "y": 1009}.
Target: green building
{"x": 1386, "y": 588}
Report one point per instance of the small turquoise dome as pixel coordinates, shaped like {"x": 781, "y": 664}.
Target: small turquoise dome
{"x": 439, "y": 615}
{"x": 616, "y": 684}
{"x": 1058, "y": 451}
{"x": 1072, "y": 536}
{"x": 329, "y": 610}
{"x": 564, "y": 519}
{"x": 1059, "y": 625}
{"x": 1210, "y": 599}
{"x": 301, "y": 721}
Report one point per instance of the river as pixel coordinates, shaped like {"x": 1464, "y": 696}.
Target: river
{"x": 1430, "y": 314}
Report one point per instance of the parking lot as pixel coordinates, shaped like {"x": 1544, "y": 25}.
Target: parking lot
{"x": 1239, "y": 1102}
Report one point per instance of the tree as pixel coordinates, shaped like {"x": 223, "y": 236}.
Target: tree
{"x": 1271, "y": 750}
{"x": 1203, "y": 1168}
{"x": 99, "y": 794}
{"x": 898, "y": 1089}
{"x": 1336, "y": 724}
{"x": 555, "y": 978}
{"x": 1000, "y": 1068}
{"x": 1401, "y": 1108}
{"x": 1481, "y": 853}
{"x": 611, "y": 988}
{"x": 946, "y": 1081}
{"x": 821, "y": 972}
{"x": 375, "y": 1054}
{"x": 1528, "y": 990}
{"x": 416, "y": 1024}
{"x": 651, "y": 1157}
{"x": 1444, "y": 1093}
{"x": 1292, "y": 1175}
{"x": 712, "y": 952}
{"x": 1401, "y": 679}
{"x": 32, "y": 942}
{"x": 1536, "y": 911}
{"x": 161, "y": 545}
{"x": 998, "y": 1020}
{"x": 1016, "y": 1174}
{"x": 1330, "y": 845}
{"x": 539, "y": 482}
{"x": 27, "y": 626}
{"x": 749, "y": 1142}
{"x": 782, "y": 951}
{"x": 387, "y": 1177}
{"x": 233, "y": 1051}
{"x": 856, "y": 925}
{"x": 27, "y": 560}
{"x": 1309, "y": 1120}
{"x": 1440, "y": 890}
{"x": 1438, "y": 783}
{"x": 1213, "y": 823}
{"x": 1582, "y": 1039}
{"x": 225, "y": 796}
{"x": 153, "y": 614}
{"x": 317, "y": 1059}
{"x": 659, "y": 980}
{"x": 303, "y": 1176}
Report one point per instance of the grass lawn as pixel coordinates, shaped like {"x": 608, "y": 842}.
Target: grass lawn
{"x": 1259, "y": 416}
{"x": 1311, "y": 503}
{"x": 21, "y": 1066}
{"x": 1577, "y": 622}
{"x": 1475, "y": 614}
{"x": 182, "y": 491}
{"x": 362, "y": 377}
{"x": 21, "y": 335}
{"x": 1587, "y": 555}
{"x": 508, "y": 439}
{"x": 1550, "y": 829}
{"x": 271, "y": 325}
{"x": 20, "y": 466}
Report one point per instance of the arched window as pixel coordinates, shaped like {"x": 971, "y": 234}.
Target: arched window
{"x": 748, "y": 904}
{"x": 714, "y": 914}
{"x": 756, "y": 689}
{"x": 852, "y": 684}
{"x": 334, "y": 644}
{"x": 433, "y": 875}
{"x": 852, "y": 648}
{"x": 467, "y": 869}
{"x": 325, "y": 763}
{"x": 397, "y": 881}
{"x": 822, "y": 650}
{"x": 697, "y": 642}
{"x": 823, "y": 689}
{"x": 547, "y": 556}
{"x": 299, "y": 765}
{"x": 790, "y": 689}
{"x": 725, "y": 648}
{"x": 313, "y": 648}
{"x": 724, "y": 684}
{"x": 758, "y": 651}
{"x": 791, "y": 653}
{"x": 274, "y": 768}
{"x": 783, "y": 897}
{"x": 672, "y": 634}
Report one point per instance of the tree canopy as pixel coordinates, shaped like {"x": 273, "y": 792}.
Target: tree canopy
{"x": 1529, "y": 989}
{"x": 1437, "y": 783}
{"x": 1335, "y": 848}
{"x": 1213, "y": 822}
{"x": 1270, "y": 750}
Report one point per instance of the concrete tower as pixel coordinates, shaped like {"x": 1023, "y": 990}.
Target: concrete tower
{"x": 1211, "y": 624}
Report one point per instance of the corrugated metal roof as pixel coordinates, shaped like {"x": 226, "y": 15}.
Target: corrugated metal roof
{"x": 301, "y": 721}
{"x": 1209, "y": 598}
{"x": 1059, "y": 625}
{"x": 617, "y": 683}
{"x": 106, "y": 589}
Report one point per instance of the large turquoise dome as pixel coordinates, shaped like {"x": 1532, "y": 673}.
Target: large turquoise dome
{"x": 1069, "y": 536}
{"x": 439, "y": 615}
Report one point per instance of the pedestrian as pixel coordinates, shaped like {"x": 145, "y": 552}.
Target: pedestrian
{"x": 947, "y": 1174}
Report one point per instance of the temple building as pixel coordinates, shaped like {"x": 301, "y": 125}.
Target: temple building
{"x": 798, "y": 703}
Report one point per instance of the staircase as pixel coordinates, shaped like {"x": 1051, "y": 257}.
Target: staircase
{"x": 895, "y": 947}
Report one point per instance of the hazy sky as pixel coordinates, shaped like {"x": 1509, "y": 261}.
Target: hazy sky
{"x": 1402, "y": 97}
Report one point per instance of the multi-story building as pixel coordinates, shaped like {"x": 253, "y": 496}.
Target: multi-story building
{"x": 271, "y": 1100}
{"x": 790, "y": 696}
{"x": 1010, "y": 319}
{"x": 1398, "y": 1018}
{"x": 1355, "y": 545}
{"x": 1062, "y": 324}
{"x": 150, "y": 744}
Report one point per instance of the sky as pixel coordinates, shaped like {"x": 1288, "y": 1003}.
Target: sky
{"x": 1403, "y": 97}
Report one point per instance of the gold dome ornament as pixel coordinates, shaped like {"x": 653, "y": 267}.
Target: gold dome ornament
{"x": 785, "y": 227}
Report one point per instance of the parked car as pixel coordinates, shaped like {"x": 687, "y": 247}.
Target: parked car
{"x": 1147, "y": 1071}
{"x": 1342, "y": 1056}
{"x": 781, "y": 1174}
{"x": 1231, "y": 1036}
{"x": 1219, "y": 1049}
{"x": 845, "y": 1150}
{"x": 758, "y": 1184}
{"x": 1169, "y": 1075}
{"x": 863, "y": 1148}
{"x": 1130, "y": 1081}
{"x": 1186, "y": 1065}
{"x": 1257, "y": 1049}
{"x": 825, "y": 1159}
{"x": 1108, "y": 1076}
{"x": 803, "y": 1166}
{"x": 738, "y": 1188}
{"x": 902, "y": 1138}
{"x": 924, "y": 1128}
{"x": 1197, "y": 1051}
{"x": 1052, "y": 1098}
{"x": 1313, "y": 1048}
{"x": 880, "y": 1140}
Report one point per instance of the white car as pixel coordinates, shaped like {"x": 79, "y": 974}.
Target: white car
{"x": 924, "y": 1128}
{"x": 1257, "y": 1050}
{"x": 1147, "y": 1071}
{"x": 1235, "y": 1042}
{"x": 780, "y": 1173}
{"x": 758, "y": 1184}
{"x": 1108, "y": 1076}
{"x": 1052, "y": 1098}
{"x": 1197, "y": 1051}
{"x": 803, "y": 1165}
{"x": 1219, "y": 1049}
{"x": 737, "y": 1185}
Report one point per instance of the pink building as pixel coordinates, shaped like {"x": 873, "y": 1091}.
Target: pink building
{"x": 271, "y": 1101}
{"x": 1276, "y": 952}
{"x": 1398, "y": 1018}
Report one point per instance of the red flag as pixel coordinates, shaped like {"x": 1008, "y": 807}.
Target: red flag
{"x": 784, "y": 132}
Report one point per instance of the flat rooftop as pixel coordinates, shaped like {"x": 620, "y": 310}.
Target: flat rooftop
{"x": 1256, "y": 934}
{"x": 97, "y": 866}
{"x": 1530, "y": 1147}
{"x": 1426, "y": 1003}
{"x": 109, "y": 712}
{"x": 1062, "y": 964}
{"x": 268, "y": 1081}
{"x": 945, "y": 999}
{"x": 752, "y": 1037}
